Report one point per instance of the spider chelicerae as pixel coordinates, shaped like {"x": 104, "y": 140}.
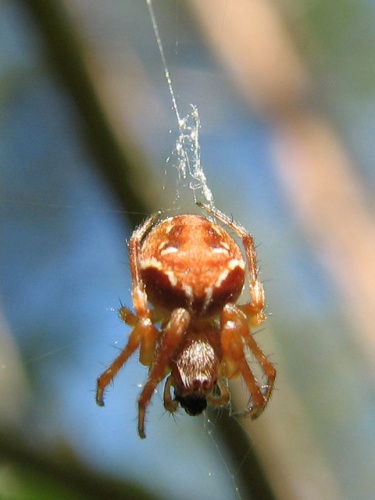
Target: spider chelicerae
{"x": 188, "y": 274}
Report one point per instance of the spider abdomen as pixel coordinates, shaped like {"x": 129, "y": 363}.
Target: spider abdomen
{"x": 191, "y": 262}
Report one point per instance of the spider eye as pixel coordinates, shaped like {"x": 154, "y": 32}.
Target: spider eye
{"x": 192, "y": 404}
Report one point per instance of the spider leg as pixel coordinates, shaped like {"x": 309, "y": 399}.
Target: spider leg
{"x": 144, "y": 335}
{"x": 267, "y": 367}
{"x": 170, "y": 404}
{"x": 224, "y": 395}
{"x": 128, "y": 316}
{"x": 171, "y": 339}
{"x": 234, "y": 335}
{"x": 253, "y": 310}
{"x": 143, "y": 318}
{"x": 139, "y": 295}
{"x": 144, "y": 332}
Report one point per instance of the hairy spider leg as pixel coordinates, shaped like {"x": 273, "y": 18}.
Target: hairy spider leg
{"x": 170, "y": 404}
{"x": 234, "y": 335}
{"x": 222, "y": 399}
{"x": 139, "y": 295}
{"x": 236, "y": 322}
{"x": 268, "y": 368}
{"x": 144, "y": 333}
{"x": 170, "y": 341}
{"x": 254, "y": 309}
{"x": 139, "y": 336}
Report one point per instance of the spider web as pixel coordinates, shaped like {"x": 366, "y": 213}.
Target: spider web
{"x": 187, "y": 149}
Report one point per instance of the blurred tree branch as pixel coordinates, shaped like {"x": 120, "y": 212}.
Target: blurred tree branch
{"x": 67, "y": 472}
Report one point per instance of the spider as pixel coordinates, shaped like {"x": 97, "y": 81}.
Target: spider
{"x": 192, "y": 272}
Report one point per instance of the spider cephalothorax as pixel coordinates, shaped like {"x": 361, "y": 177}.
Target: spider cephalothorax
{"x": 192, "y": 272}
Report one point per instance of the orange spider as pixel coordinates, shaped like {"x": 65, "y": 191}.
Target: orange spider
{"x": 193, "y": 272}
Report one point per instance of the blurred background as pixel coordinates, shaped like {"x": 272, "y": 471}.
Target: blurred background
{"x": 286, "y": 96}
